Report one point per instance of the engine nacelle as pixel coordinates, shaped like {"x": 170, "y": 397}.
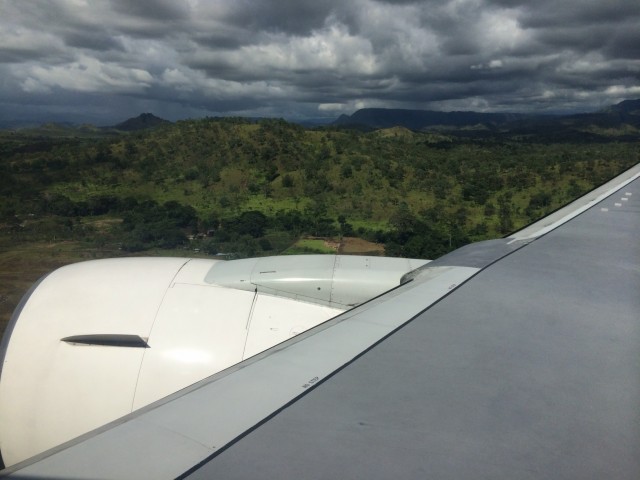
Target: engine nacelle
{"x": 96, "y": 340}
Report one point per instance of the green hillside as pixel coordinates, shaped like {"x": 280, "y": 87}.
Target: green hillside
{"x": 248, "y": 188}
{"x": 216, "y": 175}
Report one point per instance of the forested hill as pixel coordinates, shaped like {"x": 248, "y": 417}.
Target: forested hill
{"x": 143, "y": 121}
{"x": 627, "y": 107}
{"x": 257, "y": 187}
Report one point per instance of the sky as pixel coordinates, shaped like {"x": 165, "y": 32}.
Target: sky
{"x": 102, "y": 61}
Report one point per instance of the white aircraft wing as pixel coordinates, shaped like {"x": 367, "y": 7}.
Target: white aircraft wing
{"x": 513, "y": 358}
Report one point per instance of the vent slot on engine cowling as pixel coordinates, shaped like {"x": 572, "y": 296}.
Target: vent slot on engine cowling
{"x": 108, "y": 340}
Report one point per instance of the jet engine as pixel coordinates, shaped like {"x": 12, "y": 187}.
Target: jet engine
{"x": 93, "y": 341}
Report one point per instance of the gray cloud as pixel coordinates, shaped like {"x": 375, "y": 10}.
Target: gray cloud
{"x": 110, "y": 59}
{"x": 551, "y": 13}
{"x": 625, "y": 42}
{"x": 285, "y": 16}
{"x": 162, "y": 10}
{"x": 91, "y": 39}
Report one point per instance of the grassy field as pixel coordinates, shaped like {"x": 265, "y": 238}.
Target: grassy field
{"x": 343, "y": 246}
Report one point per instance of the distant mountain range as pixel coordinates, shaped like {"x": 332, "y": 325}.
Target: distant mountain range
{"x": 621, "y": 120}
{"x": 421, "y": 119}
{"x": 626, "y": 113}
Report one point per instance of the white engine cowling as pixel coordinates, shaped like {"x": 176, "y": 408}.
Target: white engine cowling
{"x": 96, "y": 340}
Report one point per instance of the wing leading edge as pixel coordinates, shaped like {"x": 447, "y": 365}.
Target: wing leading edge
{"x": 517, "y": 358}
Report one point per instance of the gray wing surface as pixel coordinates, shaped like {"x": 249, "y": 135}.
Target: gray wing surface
{"x": 516, "y": 358}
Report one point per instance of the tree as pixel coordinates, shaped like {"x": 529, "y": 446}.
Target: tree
{"x": 251, "y": 223}
{"x": 287, "y": 181}
{"x": 346, "y": 171}
{"x": 504, "y": 213}
{"x": 265, "y": 244}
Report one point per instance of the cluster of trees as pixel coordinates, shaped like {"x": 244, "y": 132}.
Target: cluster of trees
{"x": 148, "y": 224}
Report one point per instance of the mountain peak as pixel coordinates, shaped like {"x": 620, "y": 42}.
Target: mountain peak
{"x": 631, "y": 107}
{"x": 141, "y": 122}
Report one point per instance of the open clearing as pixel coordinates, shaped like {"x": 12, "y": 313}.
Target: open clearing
{"x": 343, "y": 246}
{"x": 358, "y": 246}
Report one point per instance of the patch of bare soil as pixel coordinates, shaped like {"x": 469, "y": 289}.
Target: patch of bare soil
{"x": 335, "y": 245}
{"x": 358, "y": 246}
{"x": 105, "y": 224}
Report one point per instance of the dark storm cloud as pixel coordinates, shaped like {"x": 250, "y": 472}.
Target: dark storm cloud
{"x": 91, "y": 39}
{"x": 315, "y": 57}
{"x": 624, "y": 42}
{"x": 224, "y": 40}
{"x": 165, "y": 10}
{"x": 286, "y": 16}
{"x": 551, "y": 13}
{"x": 400, "y": 2}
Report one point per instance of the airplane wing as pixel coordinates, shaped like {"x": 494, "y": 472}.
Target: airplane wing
{"x": 513, "y": 358}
